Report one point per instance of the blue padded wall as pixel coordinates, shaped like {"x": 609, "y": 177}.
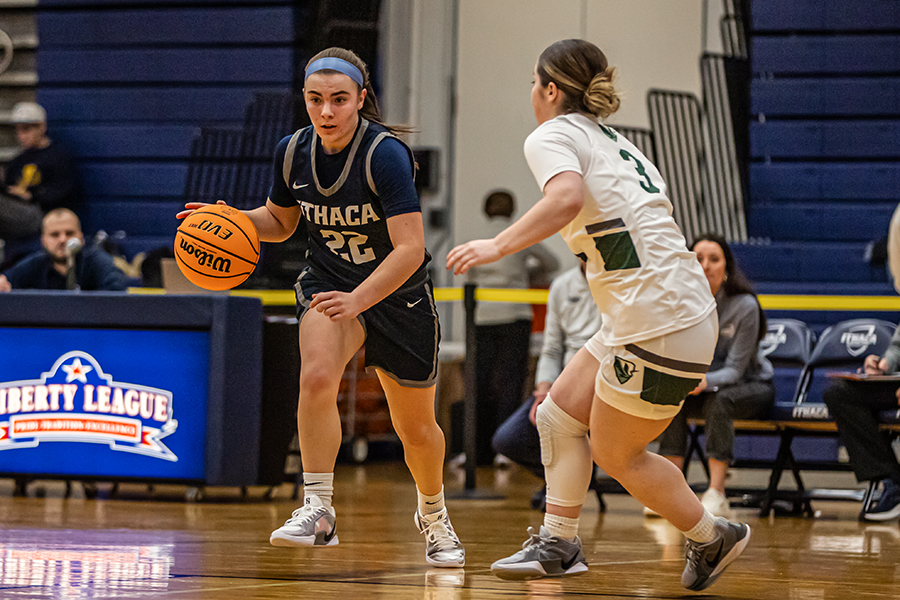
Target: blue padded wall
{"x": 809, "y": 97}
{"x": 824, "y": 141}
{"x": 826, "y": 54}
{"x": 128, "y": 85}
{"x": 825, "y": 15}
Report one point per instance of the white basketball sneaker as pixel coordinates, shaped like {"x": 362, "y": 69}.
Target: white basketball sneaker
{"x": 542, "y": 555}
{"x": 442, "y": 546}
{"x": 310, "y": 525}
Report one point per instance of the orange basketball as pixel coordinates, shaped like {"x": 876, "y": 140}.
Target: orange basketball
{"x": 217, "y": 247}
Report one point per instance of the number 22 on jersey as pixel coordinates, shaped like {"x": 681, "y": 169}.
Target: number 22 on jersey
{"x": 354, "y": 243}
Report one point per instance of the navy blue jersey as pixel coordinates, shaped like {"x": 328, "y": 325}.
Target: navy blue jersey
{"x": 345, "y": 219}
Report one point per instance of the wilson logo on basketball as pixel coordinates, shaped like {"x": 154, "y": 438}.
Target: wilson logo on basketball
{"x": 75, "y": 401}
{"x": 206, "y": 259}
{"x": 217, "y": 247}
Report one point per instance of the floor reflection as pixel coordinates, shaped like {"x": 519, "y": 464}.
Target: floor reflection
{"x": 544, "y": 588}
{"x": 444, "y": 584}
{"x": 81, "y": 570}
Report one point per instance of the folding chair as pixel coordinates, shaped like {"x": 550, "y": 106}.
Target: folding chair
{"x": 787, "y": 344}
{"x": 842, "y": 347}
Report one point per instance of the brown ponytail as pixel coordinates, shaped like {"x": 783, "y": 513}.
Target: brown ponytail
{"x": 580, "y": 70}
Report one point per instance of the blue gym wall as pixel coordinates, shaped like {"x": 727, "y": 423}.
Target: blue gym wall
{"x": 127, "y": 84}
{"x": 825, "y": 143}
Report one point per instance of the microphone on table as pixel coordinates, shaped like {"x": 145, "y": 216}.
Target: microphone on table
{"x": 73, "y": 246}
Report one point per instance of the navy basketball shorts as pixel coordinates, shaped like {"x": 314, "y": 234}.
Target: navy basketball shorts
{"x": 402, "y": 331}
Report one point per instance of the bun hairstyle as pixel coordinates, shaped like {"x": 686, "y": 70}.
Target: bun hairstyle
{"x": 580, "y": 70}
{"x": 370, "y": 110}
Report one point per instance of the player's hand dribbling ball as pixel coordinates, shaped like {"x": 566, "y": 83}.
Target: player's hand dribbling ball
{"x": 217, "y": 247}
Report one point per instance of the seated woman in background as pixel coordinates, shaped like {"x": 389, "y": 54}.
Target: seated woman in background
{"x": 739, "y": 378}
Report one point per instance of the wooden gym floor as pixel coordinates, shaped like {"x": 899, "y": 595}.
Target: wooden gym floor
{"x": 142, "y": 545}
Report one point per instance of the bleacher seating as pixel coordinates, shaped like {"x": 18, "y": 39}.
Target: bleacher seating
{"x": 130, "y": 121}
{"x": 825, "y": 105}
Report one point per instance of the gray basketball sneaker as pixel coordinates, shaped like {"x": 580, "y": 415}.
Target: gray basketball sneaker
{"x": 542, "y": 555}
{"x": 705, "y": 562}
{"x": 442, "y": 547}
{"x": 310, "y": 525}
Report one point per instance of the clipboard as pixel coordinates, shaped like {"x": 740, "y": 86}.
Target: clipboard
{"x": 863, "y": 376}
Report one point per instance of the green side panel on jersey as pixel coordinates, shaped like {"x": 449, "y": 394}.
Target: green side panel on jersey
{"x": 617, "y": 251}
{"x": 662, "y": 388}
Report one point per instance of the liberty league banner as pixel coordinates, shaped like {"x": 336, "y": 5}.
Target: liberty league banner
{"x": 103, "y": 402}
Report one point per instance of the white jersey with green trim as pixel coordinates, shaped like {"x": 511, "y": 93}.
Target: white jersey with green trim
{"x": 641, "y": 274}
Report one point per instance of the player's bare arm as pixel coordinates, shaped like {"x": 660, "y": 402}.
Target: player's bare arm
{"x": 562, "y": 201}
{"x": 273, "y": 223}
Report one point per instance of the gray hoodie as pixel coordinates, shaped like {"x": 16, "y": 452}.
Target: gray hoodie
{"x": 737, "y": 358}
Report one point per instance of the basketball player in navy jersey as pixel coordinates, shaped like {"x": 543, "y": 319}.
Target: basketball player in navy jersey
{"x": 350, "y": 180}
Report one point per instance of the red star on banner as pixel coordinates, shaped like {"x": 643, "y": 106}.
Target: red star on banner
{"x": 76, "y": 370}
{"x": 4, "y": 432}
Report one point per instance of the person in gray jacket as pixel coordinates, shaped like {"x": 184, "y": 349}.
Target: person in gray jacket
{"x": 739, "y": 380}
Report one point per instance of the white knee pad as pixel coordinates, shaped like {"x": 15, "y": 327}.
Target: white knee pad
{"x": 565, "y": 454}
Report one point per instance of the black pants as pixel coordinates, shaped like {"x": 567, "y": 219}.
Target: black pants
{"x": 18, "y": 218}
{"x": 855, "y": 406}
{"x": 748, "y": 400}
{"x": 501, "y": 368}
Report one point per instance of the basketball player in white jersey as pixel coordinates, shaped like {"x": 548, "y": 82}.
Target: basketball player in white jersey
{"x": 659, "y": 321}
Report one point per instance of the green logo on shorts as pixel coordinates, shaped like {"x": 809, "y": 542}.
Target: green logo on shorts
{"x": 624, "y": 369}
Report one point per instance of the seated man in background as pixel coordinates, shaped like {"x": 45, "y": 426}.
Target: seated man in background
{"x": 572, "y": 318}
{"x": 855, "y": 406}
{"x": 40, "y": 178}
{"x": 64, "y": 263}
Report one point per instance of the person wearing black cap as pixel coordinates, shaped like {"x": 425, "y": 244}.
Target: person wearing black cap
{"x": 40, "y": 178}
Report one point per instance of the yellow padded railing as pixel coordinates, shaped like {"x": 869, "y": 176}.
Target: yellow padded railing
{"x": 768, "y": 301}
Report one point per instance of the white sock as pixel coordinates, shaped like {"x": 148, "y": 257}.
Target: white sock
{"x": 705, "y": 530}
{"x": 562, "y": 527}
{"x": 318, "y": 484}
{"x": 428, "y": 505}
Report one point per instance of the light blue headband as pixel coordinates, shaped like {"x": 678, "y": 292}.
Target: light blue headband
{"x": 340, "y": 65}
